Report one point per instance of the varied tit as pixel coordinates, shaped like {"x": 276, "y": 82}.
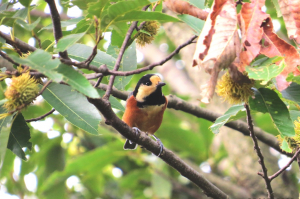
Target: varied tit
{"x": 145, "y": 108}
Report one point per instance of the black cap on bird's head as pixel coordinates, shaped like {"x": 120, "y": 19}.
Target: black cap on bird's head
{"x": 148, "y": 90}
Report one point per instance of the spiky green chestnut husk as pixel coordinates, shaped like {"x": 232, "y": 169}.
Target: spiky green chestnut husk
{"x": 234, "y": 92}
{"x": 22, "y": 90}
{"x": 150, "y": 27}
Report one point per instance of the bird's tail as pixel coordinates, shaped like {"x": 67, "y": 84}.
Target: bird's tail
{"x": 129, "y": 145}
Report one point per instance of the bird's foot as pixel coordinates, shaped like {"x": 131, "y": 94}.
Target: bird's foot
{"x": 160, "y": 145}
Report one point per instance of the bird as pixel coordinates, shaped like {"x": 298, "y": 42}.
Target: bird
{"x": 145, "y": 107}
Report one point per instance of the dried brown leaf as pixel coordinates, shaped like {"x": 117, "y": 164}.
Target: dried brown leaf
{"x": 251, "y": 17}
{"x": 290, "y": 10}
{"x": 217, "y": 43}
{"x": 275, "y": 46}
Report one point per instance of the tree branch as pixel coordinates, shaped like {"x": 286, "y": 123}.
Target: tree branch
{"x": 168, "y": 156}
{"x": 41, "y": 117}
{"x": 179, "y": 104}
{"x": 57, "y": 31}
{"x": 24, "y": 47}
{"x": 272, "y": 177}
{"x": 259, "y": 154}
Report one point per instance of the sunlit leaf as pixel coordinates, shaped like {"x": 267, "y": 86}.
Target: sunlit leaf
{"x": 73, "y": 106}
{"x": 195, "y": 23}
{"x": 42, "y": 62}
{"x": 234, "y": 112}
{"x": 68, "y": 41}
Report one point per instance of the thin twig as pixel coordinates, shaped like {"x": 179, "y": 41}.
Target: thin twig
{"x": 41, "y": 117}
{"x": 98, "y": 81}
{"x": 57, "y": 31}
{"x": 120, "y": 56}
{"x": 285, "y": 167}
{"x": 5, "y": 56}
{"x": 259, "y": 154}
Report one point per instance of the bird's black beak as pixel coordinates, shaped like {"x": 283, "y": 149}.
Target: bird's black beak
{"x": 161, "y": 84}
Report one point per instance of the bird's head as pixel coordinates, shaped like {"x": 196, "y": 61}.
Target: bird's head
{"x": 148, "y": 87}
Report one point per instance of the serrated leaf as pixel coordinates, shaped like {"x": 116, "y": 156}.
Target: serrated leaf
{"x": 81, "y": 52}
{"x": 19, "y": 137}
{"x": 96, "y": 8}
{"x": 195, "y": 23}
{"x": 146, "y": 16}
{"x": 277, "y": 7}
{"x": 292, "y": 93}
{"x": 77, "y": 81}
{"x": 233, "y": 112}
{"x": 42, "y": 62}
{"x": 27, "y": 26}
{"x": 129, "y": 62}
{"x": 267, "y": 100}
{"x": 265, "y": 72}
{"x": 63, "y": 23}
{"x": 73, "y": 106}
{"x": 68, "y": 41}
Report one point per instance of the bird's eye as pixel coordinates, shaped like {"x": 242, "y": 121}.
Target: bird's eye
{"x": 148, "y": 83}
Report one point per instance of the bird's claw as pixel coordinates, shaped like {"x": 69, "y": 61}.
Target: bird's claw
{"x": 160, "y": 145}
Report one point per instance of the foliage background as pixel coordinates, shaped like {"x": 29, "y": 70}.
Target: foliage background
{"x": 67, "y": 162}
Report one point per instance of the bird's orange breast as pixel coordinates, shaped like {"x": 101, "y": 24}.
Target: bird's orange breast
{"x": 147, "y": 119}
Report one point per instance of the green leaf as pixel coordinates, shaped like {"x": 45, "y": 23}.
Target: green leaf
{"x": 4, "y": 135}
{"x": 267, "y": 70}
{"x": 68, "y": 41}
{"x": 146, "y": 16}
{"x": 129, "y": 62}
{"x": 25, "y": 3}
{"x": 277, "y": 7}
{"x": 48, "y": 44}
{"x": 234, "y": 112}
{"x": 73, "y": 106}
{"x": 42, "y": 62}
{"x": 161, "y": 186}
{"x": 123, "y": 7}
{"x": 294, "y": 115}
{"x": 77, "y": 81}
{"x": 113, "y": 101}
{"x": 105, "y": 155}
{"x": 195, "y": 23}
{"x": 96, "y": 8}
{"x": 292, "y": 93}
{"x": 81, "y": 52}
{"x": 27, "y": 26}
{"x": 19, "y": 137}
{"x": 292, "y": 78}
{"x": 285, "y": 147}
{"x": 21, "y": 14}
{"x": 197, "y": 3}
{"x": 267, "y": 100}
{"x": 63, "y": 23}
